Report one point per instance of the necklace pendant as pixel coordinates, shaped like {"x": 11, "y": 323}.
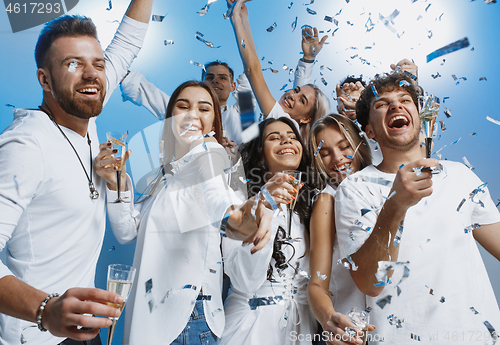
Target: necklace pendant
{"x": 94, "y": 194}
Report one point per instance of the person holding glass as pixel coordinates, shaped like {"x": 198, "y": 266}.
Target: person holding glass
{"x": 339, "y": 150}
{"x": 176, "y": 296}
{"x": 267, "y": 302}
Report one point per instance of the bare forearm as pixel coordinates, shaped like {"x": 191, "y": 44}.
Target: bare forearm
{"x": 18, "y": 299}
{"x": 378, "y": 247}
{"x": 140, "y": 10}
{"x": 320, "y": 303}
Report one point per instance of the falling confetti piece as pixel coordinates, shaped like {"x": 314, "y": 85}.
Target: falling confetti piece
{"x": 457, "y": 45}
{"x": 72, "y": 67}
{"x": 474, "y": 310}
{"x": 272, "y": 27}
{"x": 110, "y": 6}
{"x": 197, "y": 64}
{"x": 168, "y": 42}
{"x": 418, "y": 170}
{"x": 483, "y": 78}
{"x": 382, "y": 302}
{"x": 319, "y": 148}
{"x": 112, "y": 248}
{"x": 157, "y": 18}
{"x": 466, "y": 162}
{"x": 311, "y": 11}
{"x": 493, "y": 120}
{"x": 471, "y": 227}
{"x": 456, "y": 141}
{"x": 321, "y": 276}
{"x": 290, "y": 6}
{"x": 374, "y": 90}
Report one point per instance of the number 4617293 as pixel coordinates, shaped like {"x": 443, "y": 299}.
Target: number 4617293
{"x": 33, "y": 7}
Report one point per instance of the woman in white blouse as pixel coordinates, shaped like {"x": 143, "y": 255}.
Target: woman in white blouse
{"x": 339, "y": 150}
{"x": 267, "y": 302}
{"x": 176, "y": 297}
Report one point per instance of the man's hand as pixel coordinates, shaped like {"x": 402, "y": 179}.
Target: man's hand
{"x": 413, "y": 182}
{"x": 62, "y": 315}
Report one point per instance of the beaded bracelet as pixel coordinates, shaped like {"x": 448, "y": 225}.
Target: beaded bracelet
{"x": 40, "y": 311}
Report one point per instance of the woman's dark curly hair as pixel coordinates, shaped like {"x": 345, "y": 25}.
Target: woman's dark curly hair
{"x": 257, "y": 174}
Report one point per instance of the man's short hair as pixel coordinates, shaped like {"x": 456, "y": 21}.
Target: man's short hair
{"x": 62, "y": 26}
{"x": 383, "y": 83}
{"x": 352, "y": 79}
{"x": 217, "y": 63}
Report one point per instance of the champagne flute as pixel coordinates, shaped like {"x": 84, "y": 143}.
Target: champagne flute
{"x": 361, "y": 319}
{"x": 120, "y": 279}
{"x": 297, "y": 175}
{"x": 118, "y": 141}
{"x": 429, "y": 110}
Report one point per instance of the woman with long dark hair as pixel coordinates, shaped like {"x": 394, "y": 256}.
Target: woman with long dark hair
{"x": 176, "y": 297}
{"x": 267, "y": 302}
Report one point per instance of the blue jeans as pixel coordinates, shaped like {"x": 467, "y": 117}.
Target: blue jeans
{"x": 197, "y": 330}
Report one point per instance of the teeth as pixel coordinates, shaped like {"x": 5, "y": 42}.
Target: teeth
{"x": 344, "y": 166}
{"x": 398, "y": 117}
{"x": 89, "y": 90}
{"x": 286, "y": 152}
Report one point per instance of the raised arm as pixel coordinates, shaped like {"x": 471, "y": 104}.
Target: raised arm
{"x": 311, "y": 46}
{"x": 138, "y": 90}
{"x": 140, "y": 10}
{"x": 379, "y": 246}
{"x": 248, "y": 53}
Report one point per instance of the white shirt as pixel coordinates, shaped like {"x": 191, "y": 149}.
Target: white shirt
{"x": 446, "y": 273}
{"x": 52, "y": 227}
{"x": 268, "y": 324}
{"x": 178, "y": 245}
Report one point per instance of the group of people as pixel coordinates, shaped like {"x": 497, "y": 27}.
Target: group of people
{"x": 375, "y": 226}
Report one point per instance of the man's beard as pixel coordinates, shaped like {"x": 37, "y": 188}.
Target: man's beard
{"x": 393, "y": 144}
{"x": 79, "y": 107}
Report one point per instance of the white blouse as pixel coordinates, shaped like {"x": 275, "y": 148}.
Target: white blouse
{"x": 178, "y": 247}
{"x": 262, "y": 312}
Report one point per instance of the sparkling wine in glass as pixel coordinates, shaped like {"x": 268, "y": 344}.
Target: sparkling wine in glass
{"x": 361, "y": 319}
{"x": 120, "y": 279}
{"x": 429, "y": 110}
{"x": 297, "y": 175}
{"x": 118, "y": 141}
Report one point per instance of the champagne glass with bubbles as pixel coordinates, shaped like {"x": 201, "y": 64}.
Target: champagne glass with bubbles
{"x": 297, "y": 175}
{"x": 120, "y": 280}
{"x": 118, "y": 142}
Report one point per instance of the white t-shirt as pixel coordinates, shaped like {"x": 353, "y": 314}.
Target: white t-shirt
{"x": 277, "y": 112}
{"x": 53, "y": 229}
{"x": 178, "y": 247}
{"x": 446, "y": 276}
{"x": 268, "y": 324}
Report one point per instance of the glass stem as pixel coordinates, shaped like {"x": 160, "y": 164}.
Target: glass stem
{"x": 111, "y": 331}
{"x": 428, "y": 147}
{"x": 118, "y": 182}
{"x": 290, "y": 212}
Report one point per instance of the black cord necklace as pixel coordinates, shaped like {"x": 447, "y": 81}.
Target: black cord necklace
{"x": 94, "y": 194}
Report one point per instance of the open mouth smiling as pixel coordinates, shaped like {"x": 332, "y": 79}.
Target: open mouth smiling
{"x": 91, "y": 90}
{"x": 286, "y": 152}
{"x": 398, "y": 121}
